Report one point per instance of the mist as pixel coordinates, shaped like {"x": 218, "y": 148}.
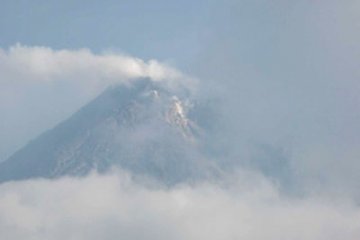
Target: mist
{"x": 284, "y": 82}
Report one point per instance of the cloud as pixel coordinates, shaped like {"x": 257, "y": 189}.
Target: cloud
{"x": 46, "y": 64}
{"x": 245, "y": 206}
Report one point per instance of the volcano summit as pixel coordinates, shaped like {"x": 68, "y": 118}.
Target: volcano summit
{"x": 141, "y": 128}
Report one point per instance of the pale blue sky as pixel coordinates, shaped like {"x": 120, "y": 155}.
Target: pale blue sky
{"x": 148, "y": 29}
{"x": 258, "y": 32}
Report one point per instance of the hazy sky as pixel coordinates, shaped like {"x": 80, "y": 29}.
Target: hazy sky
{"x": 147, "y": 29}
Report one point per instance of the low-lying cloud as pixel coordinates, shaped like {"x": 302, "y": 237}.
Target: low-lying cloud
{"x": 244, "y": 206}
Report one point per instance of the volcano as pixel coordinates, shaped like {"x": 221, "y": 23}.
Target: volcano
{"x": 142, "y": 128}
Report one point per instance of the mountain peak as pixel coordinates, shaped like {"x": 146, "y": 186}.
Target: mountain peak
{"x": 141, "y": 128}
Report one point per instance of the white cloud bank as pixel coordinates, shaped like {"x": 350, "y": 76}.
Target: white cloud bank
{"x": 114, "y": 207}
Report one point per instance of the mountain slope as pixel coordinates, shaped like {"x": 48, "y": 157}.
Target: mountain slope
{"x": 141, "y": 128}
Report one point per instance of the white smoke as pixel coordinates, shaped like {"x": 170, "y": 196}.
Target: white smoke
{"x": 46, "y": 64}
